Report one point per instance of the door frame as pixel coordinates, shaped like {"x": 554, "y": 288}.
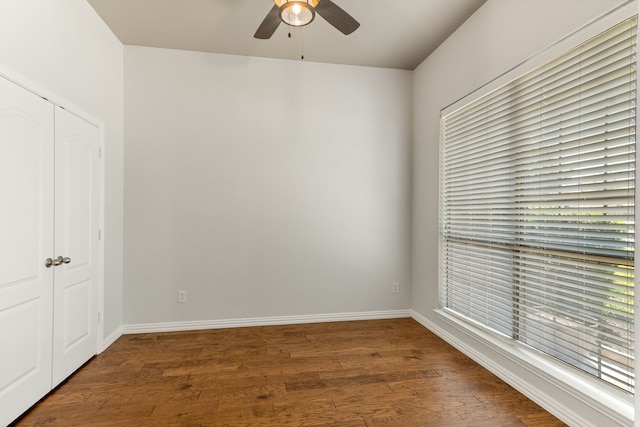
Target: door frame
{"x": 74, "y": 109}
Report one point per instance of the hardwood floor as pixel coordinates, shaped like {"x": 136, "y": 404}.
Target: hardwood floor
{"x": 364, "y": 373}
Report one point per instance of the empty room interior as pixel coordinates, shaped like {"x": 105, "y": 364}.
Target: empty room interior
{"x": 317, "y": 212}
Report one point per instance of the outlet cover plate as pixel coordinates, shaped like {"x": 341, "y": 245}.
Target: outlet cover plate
{"x": 182, "y": 296}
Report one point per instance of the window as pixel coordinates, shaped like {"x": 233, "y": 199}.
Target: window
{"x": 537, "y": 207}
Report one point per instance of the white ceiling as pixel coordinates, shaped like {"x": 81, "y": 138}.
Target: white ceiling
{"x": 393, "y": 33}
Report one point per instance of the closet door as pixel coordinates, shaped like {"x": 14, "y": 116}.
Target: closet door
{"x": 26, "y": 240}
{"x": 76, "y": 242}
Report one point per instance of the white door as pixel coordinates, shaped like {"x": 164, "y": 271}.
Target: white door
{"x": 26, "y": 240}
{"x": 76, "y": 241}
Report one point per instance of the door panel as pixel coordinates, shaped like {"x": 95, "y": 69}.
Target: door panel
{"x": 26, "y": 240}
{"x": 76, "y": 231}
{"x": 75, "y": 328}
{"x": 26, "y": 338}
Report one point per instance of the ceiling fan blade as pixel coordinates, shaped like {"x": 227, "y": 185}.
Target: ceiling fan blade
{"x": 337, "y": 17}
{"x": 269, "y": 25}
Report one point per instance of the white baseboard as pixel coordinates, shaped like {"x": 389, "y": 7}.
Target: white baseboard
{"x": 579, "y": 406}
{"x": 110, "y": 339}
{"x": 262, "y": 321}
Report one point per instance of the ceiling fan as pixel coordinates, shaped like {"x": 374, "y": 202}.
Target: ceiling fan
{"x": 298, "y": 13}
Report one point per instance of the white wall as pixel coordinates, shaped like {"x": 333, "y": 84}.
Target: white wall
{"x": 64, "y": 49}
{"x": 501, "y": 35}
{"x": 263, "y": 187}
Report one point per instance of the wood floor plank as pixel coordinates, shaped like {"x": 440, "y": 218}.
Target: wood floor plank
{"x": 348, "y": 374}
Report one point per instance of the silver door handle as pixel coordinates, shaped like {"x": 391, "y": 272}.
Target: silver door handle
{"x": 53, "y": 262}
{"x": 56, "y": 262}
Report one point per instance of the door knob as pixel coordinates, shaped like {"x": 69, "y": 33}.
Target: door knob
{"x": 53, "y": 262}
{"x": 56, "y": 262}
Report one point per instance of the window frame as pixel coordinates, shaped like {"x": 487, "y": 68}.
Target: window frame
{"x": 610, "y": 399}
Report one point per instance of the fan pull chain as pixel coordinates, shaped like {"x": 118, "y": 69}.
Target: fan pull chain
{"x": 302, "y": 41}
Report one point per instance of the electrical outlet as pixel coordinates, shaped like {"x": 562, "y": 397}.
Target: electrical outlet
{"x": 395, "y": 287}
{"x": 182, "y": 296}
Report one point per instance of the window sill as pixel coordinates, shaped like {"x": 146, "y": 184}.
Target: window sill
{"x": 610, "y": 401}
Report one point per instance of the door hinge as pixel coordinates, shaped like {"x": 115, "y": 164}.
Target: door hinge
{"x": 99, "y": 152}
{"x": 99, "y": 234}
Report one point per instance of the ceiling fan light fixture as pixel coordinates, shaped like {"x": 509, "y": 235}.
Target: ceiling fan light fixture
{"x": 296, "y": 13}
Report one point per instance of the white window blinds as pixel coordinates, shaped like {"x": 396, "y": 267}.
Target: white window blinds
{"x": 537, "y": 207}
